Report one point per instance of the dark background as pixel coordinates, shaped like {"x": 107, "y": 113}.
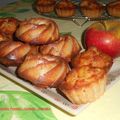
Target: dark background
{"x": 4, "y": 2}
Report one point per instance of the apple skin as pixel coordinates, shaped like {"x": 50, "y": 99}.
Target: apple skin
{"x": 105, "y": 40}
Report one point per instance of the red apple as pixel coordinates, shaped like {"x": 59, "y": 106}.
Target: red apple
{"x": 105, "y": 36}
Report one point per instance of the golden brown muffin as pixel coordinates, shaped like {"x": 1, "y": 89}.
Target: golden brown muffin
{"x": 38, "y": 31}
{"x": 66, "y": 47}
{"x": 113, "y": 8}
{"x": 94, "y": 58}
{"x": 65, "y": 8}
{"x": 12, "y": 53}
{"x": 9, "y": 25}
{"x": 43, "y": 70}
{"x": 91, "y": 8}
{"x": 85, "y": 84}
{"x": 45, "y": 6}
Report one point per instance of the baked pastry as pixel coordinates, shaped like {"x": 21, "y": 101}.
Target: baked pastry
{"x": 43, "y": 70}
{"x": 85, "y": 84}
{"x": 45, "y": 6}
{"x": 34, "y": 50}
{"x": 65, "y": 8}
{"x": 66, "y": 47}
{"x": 113, "y": 8}
{"x": 91, "y": 8}
{"x": 94, "y": 58}
{"x": 38, "y": 31}
{"x": 4, "y": 37}
{"x": 9, "y": 25}
{"x": 12, "y": 53}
